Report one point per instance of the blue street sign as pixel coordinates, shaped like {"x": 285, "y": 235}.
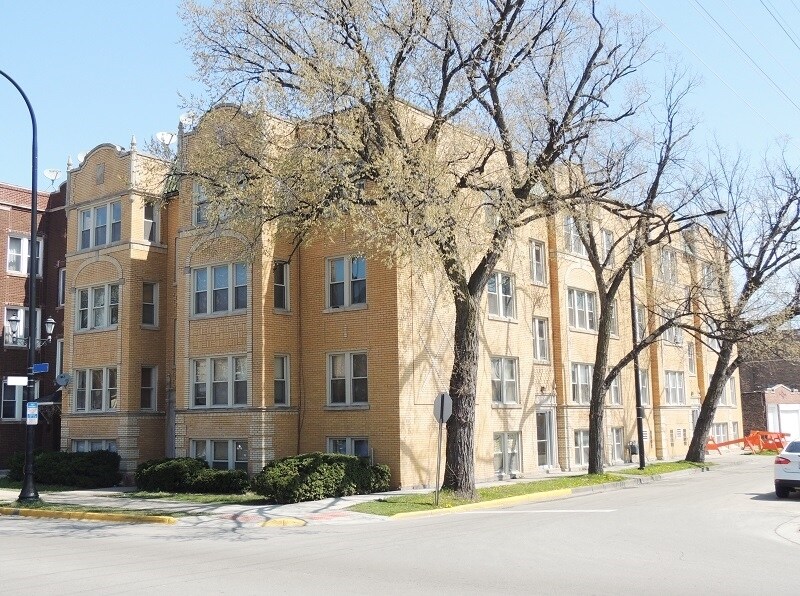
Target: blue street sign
{"x": 40, "y": 367}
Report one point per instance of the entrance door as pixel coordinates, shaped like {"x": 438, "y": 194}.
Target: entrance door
{"x": 544, "y": 438}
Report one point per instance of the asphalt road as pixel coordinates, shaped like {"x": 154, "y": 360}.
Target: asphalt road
{"x": 720, "y": 532}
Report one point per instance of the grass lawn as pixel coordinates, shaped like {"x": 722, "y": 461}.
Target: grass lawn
{"x": 51, "y": 488}
{"x": 83, "y": 509}
{"x": 201, "y": 498}
{"x": 665, "y": 467}
{"x": 424, "y": 501}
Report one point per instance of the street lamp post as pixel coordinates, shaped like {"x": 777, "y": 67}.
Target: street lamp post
{"x": 29, "y": 492}
{"x": 636, "y": 383}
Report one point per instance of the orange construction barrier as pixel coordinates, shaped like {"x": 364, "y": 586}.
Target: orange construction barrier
{"x": 755, "y": 441}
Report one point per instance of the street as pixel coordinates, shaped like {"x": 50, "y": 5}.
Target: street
{"x": 721, "y": 531}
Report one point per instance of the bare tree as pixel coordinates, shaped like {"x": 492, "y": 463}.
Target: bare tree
{"x": 404, "y": 118}
{"x": 750, "y": 282}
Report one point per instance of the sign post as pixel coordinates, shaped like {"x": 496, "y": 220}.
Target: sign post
{"x": 442, "y": 410}
{"x": 32, "y": 413}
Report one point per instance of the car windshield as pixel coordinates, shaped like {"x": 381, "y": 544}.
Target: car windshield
{"x": 793, "y": 447}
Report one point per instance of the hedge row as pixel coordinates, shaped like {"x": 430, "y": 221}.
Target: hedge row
{"x": 189, "y": 475}
{"x": 93, "y": 469}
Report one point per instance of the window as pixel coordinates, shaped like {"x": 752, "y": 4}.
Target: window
{"x": 96, "y": 390}
{"x": 572, "y": 239}
{"x": 21, "y": 338}
{"x": 281, "y": 380}
{"x": 644, "y": 386}
{"x": 224, "y": 379}
{"x": 615, "y": 392}
{"x": 541, "y": 345}
{"x": 11, "y": 407}
{"x": 221, "y": 455}
{"x": 347, "y": 378}
{"x": 59, "y": 356}
{"x": 581, "y": 447}
{"x": 62, "y": 285}
{"x": 349, "y": 446}
{"x": 673, "y": 334}
{"x": 506, "y": 454}
{"x": 504, "y": 381}
{"x": 613, "y": 320}
{"x": 148, "y": 388}
{"x": 709, "y": 280}
{"x": 281, "y": 285}
{"x": 690, "y": 356}
{"x": 616, "y": 445}
{"x": 720, "y": 432}
{"x": 641, "y": 322}
{"x": 84, "y": 445}
{"x": 19, "y": 248}
{"x": 580, "y": 309}
{"x": 98, "y": 307}
{"x": 581, "y": 383}
{"x": 200, "y": 205}
{"x": 538, "y": 263}
{"x": 728, "y": 395}
{"x": 674, "y": 389}
{"x": 223, "y": 287}
{"x": 500, "y": 294}
{"x": 150, "y": 222}
{"x": 669, "y": 265}
{"x": 347, "y": 282}
{"x": 735, "y": 430}
{"x": 732, "y": 390}
{"x": 93, "y": 225}
{"x": 608, "y": 247}
{"x": 149, "y": 303}
{"x": 637, "y": 268}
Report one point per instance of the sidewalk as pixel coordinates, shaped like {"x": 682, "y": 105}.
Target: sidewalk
{"x": 326, "y": 511}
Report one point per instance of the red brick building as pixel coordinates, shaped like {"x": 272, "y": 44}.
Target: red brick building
{"x": 15, "y": 250}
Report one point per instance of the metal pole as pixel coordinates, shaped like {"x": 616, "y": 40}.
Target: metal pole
{"x": 636, "y": 384}
{"x": 439, "y": 453}
{"x": 29, "y": 492}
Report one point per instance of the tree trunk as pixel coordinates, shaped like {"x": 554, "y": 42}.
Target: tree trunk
{"x": 598, "y": 396}
{"x": 459, "y": 473}
{"x": 697, "y": 448}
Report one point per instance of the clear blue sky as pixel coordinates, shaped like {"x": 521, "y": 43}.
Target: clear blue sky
{"x": 101, "y": 70}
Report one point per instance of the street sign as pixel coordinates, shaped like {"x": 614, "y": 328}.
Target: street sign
{"x": 40, "y": 367}
{"x": 443, "y": 407}
{"x": 32, "y": 414}
{"x": 18, "y": 381}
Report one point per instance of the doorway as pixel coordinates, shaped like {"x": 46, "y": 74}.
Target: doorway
{"x": 544, "y": 438}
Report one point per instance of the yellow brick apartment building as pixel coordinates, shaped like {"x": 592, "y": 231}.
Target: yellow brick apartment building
{"x": 183, "y": 340}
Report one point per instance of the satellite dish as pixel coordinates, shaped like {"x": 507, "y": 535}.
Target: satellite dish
{"x": 166, "y": 138}
{"x": 81, "y": 157}
{"x": 52, "y": 174}
{"x": 63, "y": 379}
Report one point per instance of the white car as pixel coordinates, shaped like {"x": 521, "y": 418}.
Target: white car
{"x": 787, "y": 470}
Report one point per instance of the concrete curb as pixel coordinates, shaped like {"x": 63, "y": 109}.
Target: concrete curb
{"x": 88, "y": 515}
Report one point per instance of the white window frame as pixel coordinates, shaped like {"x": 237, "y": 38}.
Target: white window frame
{"x": 581, "y": 445}
{"x": 673, "y": 334}
{"x": 199, "y": 204}
{"x": 538, "y": 263}
{"x": 109, "y": 395}
{"x": 668, "y": 265}
{"x": 88, "y": 445}
{"x": 24, "y": 255}
{"x": 21, "y": 339}
{"x": 151, "y": 224}
{"x": 613, "y": 322}
{"x": 641, "y": 322}
{"x": 19, "y": 391}
{"x": 152, "y": 388}
{"x": 644, "y": 386}
{"x": 616, "y": 436}
{"x": 351, "y": 265}
{"x": 88, "y": 224}
{"x": 237, "y": 453}
{"x": 505, "y": 390}
{"x": 501, "y": 296}
{"x": 154, "y": 304}
{"x": 541, "y": 339}
{"x": 581, "y": 309}
{"x": 691, "y": 357}
{"x": 637, "y": 267}
{"x": 232, "y": 296}
{"x": 608, "y": 247}
{"x": 507, "y": 454}
{"x": 572, "y": 240}
{"x": 348, "y": 378}
{"x": 209, "y": 379}
{"x": 281, "y": 289}
{"x": 581, "y": 382}
{"x": 59, "y": 356}
{"x": 348, "y": 446}
{"x": 109, "y": 310}
{"x": 674, "y": 388}
{"x": 285, "y": 380}
{"x": 62, "y": 287}
{"x": 708, "y": 277}
{"x": 615, "y": 392}
{"x": 719, "y": 431}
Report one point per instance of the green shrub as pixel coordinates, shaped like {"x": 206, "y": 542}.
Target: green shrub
{"x": 168, "y": 475}
{"x": 220, "y": 482}
{"x": 313, "y": 476}
{"x": 93, "y": 469}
